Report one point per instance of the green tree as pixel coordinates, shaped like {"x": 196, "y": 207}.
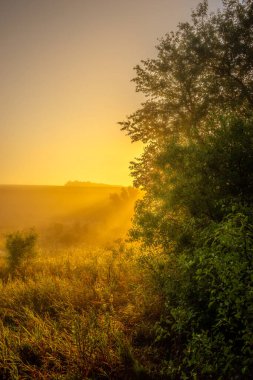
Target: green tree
{"x": 194, "y": 184}
{"x": 201, "y": 76}
{"x": 196, "y": 173}
{"x": 202, "y": 70}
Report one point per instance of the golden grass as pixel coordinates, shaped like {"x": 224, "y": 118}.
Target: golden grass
{"x": 78, "y": 314}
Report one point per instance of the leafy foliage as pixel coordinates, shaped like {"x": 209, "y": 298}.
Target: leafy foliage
{"x": 197, "y": 182}
{"x": 209, "y": 314}
{"x": 203, "y": 69}
{"x": 196, "y": 173}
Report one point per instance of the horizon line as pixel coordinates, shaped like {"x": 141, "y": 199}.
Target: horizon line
{"x": 67, "y": 184}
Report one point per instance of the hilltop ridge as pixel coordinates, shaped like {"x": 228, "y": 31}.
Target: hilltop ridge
{"x": 89, "y": 184}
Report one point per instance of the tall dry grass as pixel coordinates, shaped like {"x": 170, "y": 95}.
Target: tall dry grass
{"x": 78, "y": 314}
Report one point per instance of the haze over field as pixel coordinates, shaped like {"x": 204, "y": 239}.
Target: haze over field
{"x": 77, "y": 213}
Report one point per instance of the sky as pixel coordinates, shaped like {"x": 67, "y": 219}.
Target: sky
{"x": 65, "y": 77}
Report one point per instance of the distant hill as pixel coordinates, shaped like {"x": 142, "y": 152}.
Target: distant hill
{"x": 88, "y": 184}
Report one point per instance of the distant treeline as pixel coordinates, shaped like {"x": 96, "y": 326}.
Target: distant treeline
{"x": 88, "y": 184}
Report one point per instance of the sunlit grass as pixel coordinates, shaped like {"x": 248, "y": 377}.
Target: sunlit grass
{"x": 77, "y": 314}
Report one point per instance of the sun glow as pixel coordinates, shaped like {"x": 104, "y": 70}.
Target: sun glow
{"x": 65, "y": 84}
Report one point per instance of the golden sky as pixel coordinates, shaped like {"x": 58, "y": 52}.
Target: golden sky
{"x": 65, "y": 70}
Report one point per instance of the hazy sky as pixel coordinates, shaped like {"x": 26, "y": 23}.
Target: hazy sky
{"x": 65, "y": 70}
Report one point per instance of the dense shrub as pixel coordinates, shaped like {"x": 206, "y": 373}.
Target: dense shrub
{"x": 207, "y": 326}
{"x": 20, "y": 247}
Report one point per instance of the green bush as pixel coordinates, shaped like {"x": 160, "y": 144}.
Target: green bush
{"x": 20, "y": 247}
{"x": 207, "y": 325}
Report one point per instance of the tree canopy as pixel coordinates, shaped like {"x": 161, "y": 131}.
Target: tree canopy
{"x": 201, "y": 79}
{"x": 201, "y": 70}
{"x": 196, "y": 173}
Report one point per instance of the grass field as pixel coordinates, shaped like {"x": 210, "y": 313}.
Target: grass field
{"x": 81, "y": 308}
{"x": 78, "y": 315}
